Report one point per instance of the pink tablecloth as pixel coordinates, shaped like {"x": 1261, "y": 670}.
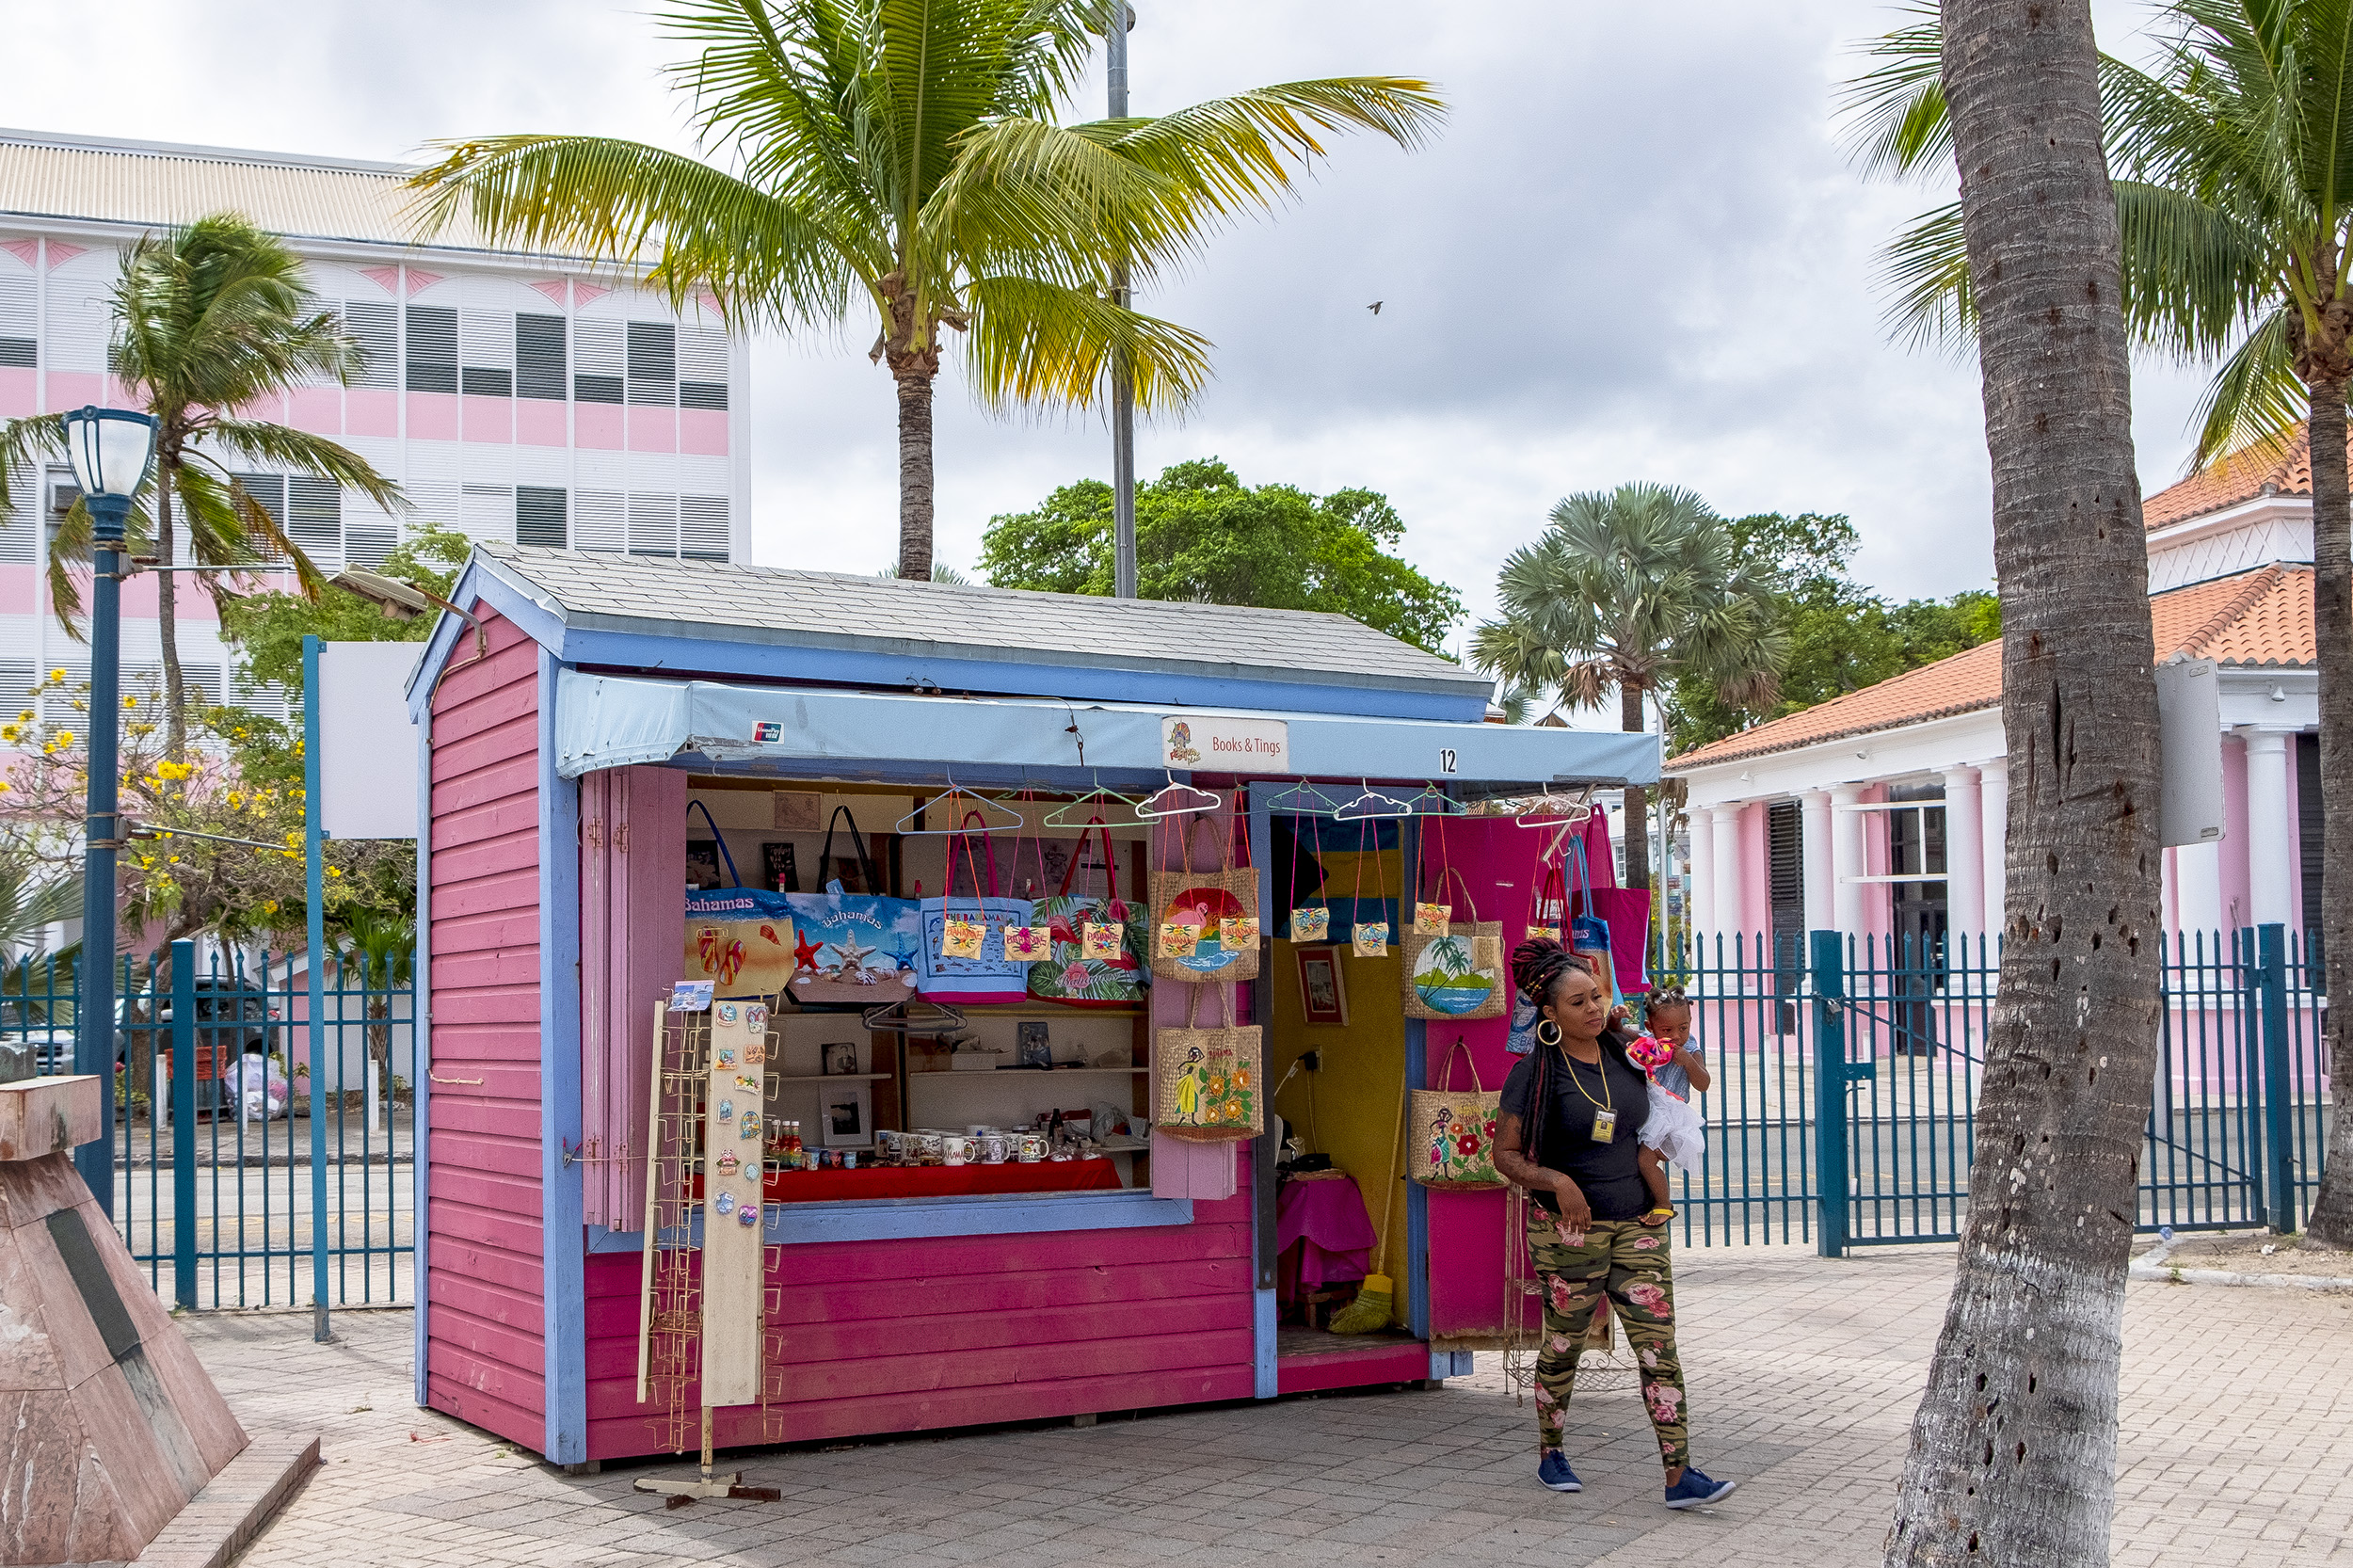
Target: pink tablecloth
{"x": 1325, "y": 1223}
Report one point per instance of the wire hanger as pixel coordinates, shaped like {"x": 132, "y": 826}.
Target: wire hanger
{"x": 914, "y": 1016}
{"x": 1435, "y": 802}
{"x": 1059, "y": 816}
{"x": 1178, "y": 800}
{"x": 958, "y": 800}
{"x": 1549, "y": 811}
{"x": 1302, "y": 799}
{"x": 1372, "y": 805}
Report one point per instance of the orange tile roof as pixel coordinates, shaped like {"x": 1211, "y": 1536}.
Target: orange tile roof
{"x": 2255, "y": 620}
{"x": 2241, "y": 476}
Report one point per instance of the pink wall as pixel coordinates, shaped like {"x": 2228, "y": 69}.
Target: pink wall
{"x": 872, "y": 1336}
{"x": 485, "y": 1354}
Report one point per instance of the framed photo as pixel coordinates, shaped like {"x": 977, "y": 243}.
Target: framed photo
{"x": 845, "y": 1115}
{"x": 779, "y": 874}
{"x": 840, "y": 1059}
{"x": 1037, "y": 1046}
{"x": 1323, "y": 989}
{"x": 702, "y": 863}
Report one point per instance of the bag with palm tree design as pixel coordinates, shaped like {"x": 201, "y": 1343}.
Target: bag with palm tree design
{"x": 1454, "y": 966}
{"x": 1098, "y": 941}
{"x": 1206, "y": 1080}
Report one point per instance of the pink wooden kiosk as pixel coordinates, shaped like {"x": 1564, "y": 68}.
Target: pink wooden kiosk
{"x": 589, "y": 717}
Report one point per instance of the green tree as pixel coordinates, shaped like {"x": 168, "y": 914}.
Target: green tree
{"x": 1842, "y": 637}
{"x": 1203, "y": 536}
{"x": 208, "y": 319}
{"x": 2235, "y": 205}
{"x": 2013, "y": 1445}
{"x": 267, "y": 629}
{"x": 1628, "y": 591}
{"x": 906, "y": 150}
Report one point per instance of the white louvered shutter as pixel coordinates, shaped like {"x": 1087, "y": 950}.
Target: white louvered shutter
{"x": 702, "y": 527}
{"x": 652, "y": 524}
{"x": 489, "y": 512}
{"x": 600, "y": 361}
{"x": 702, "y": 367}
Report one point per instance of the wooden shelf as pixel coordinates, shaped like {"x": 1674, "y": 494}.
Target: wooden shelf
{"x": 828, "y": 1078}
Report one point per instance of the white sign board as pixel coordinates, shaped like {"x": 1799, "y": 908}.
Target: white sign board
{"x": 367, "y": 745}
{"x": 1220, "y": 744}
{"x": 2190, "y": 739}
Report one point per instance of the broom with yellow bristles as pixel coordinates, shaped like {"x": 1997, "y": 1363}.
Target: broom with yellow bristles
{"x": 1369, "y": 1312}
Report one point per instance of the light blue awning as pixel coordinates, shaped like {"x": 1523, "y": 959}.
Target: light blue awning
{"x": 606, "y": 721}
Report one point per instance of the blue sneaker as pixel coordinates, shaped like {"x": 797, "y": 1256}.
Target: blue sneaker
{"x": 1695, "y": 1489}
{"x": 1554, "y": 1472}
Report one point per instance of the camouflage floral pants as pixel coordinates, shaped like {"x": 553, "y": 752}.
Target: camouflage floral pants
{"x": 1631, "y": 1264}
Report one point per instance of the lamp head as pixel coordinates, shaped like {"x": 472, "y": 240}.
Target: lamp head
{"x": 111, "y": 450}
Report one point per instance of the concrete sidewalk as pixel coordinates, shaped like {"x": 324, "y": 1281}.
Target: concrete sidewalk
{"x": 2238, "y": 1429}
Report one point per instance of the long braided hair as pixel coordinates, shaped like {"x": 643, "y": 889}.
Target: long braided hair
{"x": 1537, "y": 967}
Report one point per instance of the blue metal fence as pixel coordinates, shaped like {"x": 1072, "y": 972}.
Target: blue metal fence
{"x": 216, "y": 1091}
{"x": 1850, "y": 1066}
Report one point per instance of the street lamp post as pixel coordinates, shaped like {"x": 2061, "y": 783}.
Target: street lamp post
{"x": 111, "y": 451}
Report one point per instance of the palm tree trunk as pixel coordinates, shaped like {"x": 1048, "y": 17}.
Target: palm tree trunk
{"x": 167, "y": 604}
{"x": 915, "y": 379}
{"x": 2332, "y": 1218}
{"x": 1637, "y": 798}
{"x": 2013, "y": 1446}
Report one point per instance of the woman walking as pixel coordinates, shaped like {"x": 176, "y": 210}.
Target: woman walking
{"x": 1573, "y": 1112}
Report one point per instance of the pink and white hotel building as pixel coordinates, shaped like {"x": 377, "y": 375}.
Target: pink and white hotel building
{"x": 1884, "y": 811}
{"x": 530, "y": 398}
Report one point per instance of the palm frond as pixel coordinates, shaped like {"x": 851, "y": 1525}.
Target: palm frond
{"x": 305, "y": 453}
{"x": 2255, "y": 399}
{"x": 1034, "y": 342}
{"x": 768, "y": 260}
{"x": 1896, "y": 124}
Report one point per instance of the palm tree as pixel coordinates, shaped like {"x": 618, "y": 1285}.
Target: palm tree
{"x": 381, "y": 949}
{"x": 208, "y": 319}
{"x": 1625, "y": 591}
{"x": 2013, "y": 1446}
{"x": 2236, "y": 210}
{"x": 905, "y": 150}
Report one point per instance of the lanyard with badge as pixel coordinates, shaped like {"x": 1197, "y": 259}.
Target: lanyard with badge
{"x": 1604, "y": 1109}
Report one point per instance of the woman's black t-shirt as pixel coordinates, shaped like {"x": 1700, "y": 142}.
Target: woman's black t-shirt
{"x": 1609, "y": 1175}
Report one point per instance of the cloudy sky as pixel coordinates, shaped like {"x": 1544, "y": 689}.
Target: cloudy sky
{"x": 1635, "y": 253}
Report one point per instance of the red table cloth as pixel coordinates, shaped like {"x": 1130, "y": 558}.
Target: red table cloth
{"x": 1325, "y": 1221}
{"x": 942, "y": 1181}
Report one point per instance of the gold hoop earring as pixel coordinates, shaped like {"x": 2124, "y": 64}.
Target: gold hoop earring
{"x": 1551, "y": 1039}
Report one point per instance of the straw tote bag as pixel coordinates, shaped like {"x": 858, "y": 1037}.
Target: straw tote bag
{"x": 1205, "y": 924}
{"x": 1453, "y": 967}
{"x": 1207, "y": 1081}
{"x": 1454, "y": 1132}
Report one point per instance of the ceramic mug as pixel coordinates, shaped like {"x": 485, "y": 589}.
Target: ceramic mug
{"x": 927, "y": 1148}
{"x": 1033, "y": 1146}
{"x": 956, "y": 1149}
{"x": 992, "y": 1148}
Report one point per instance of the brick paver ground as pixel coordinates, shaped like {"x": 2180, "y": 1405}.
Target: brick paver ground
{"x": 1803, "y": 1373}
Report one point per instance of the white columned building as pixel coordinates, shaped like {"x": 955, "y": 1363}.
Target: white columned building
{"x": 2229, "y": 566}
{"x": 1964, "y": 853}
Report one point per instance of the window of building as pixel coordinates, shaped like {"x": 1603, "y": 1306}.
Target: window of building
{"x": 487, "y": 512}
{"x": 487, "y": 354}
{"x": 702, "y": 527}
{"x": 600, "y": 361}
{"x": 702, "y": 367}
{"x": 375, "y": 332}
{"x": 600, "y": 521}
{"x": 19, "y": 341}
{"x": 539, "y": 357}
{"x": 432, "y": 349}
{"x": 2308, "y": 825}
{"x": 539, "y": 516}
{"x": 652, "y": 363}
{"x": 1784, "y": 853}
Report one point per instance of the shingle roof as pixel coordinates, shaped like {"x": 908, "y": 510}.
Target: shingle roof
{"x": 2249, "y": 472}
{"x": 160, "y": 184}
{"x": 728, "y": 602}
{"x": 2260, "y": 619}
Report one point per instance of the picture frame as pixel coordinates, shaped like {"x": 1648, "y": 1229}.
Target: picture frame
{"x": 702, "y": 863}
{"x": 779, "y": 871}
{"x": 840, "y": 1059}
{"x": 846, "y": 1116}
{"x": 1036, "y": 1045}
{"x": 1323, "y": 986}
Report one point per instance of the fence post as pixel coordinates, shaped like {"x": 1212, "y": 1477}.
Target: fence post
{"x": 2278, "y": 1106}
{"x": 1829, "y": 990}
{"x": 183, "y": 1121}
